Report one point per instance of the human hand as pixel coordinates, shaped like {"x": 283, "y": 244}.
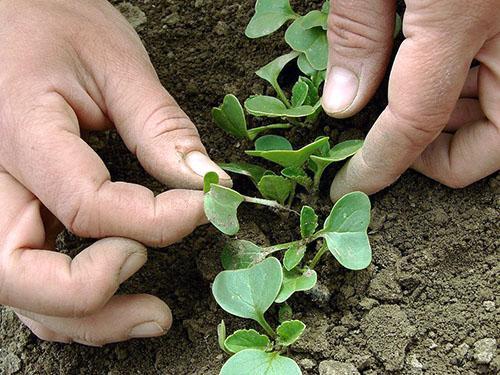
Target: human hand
{"x": 443, "y": 118}
{"x": 67, "y": 67}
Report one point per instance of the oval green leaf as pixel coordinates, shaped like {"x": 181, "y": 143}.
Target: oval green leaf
{"x": 230, "y": 117}
{"x": 253, "y": 171}
{"x": 293, "y": 256}
{"x": 290, "y": 158}
{"x": 294, "y": 281}
{"x": 290, "y": 331}
{"x": 269, "y": 16}
{"x": 272, "y": 142}
{"x": 250, "y": 292}
{"x": 276, "y": 188}
{"x": 221, "y": 206}
{"x": 315, "y": 18}
{"x": 308, "y": 222}
{"x": 209, "y": 179}
{"x": 269, "y": 106}
{"x": 345, "y": 231}
{"x": 299, "y": 93}
{"x": 258, "y": 362}
{"x": 239, "y": 254}
{"x": 271, "y": 71}
{"x": 285, "y": 313}
{"x": 298, "y": 175}
{"x": 246, "y": 339}
{"x": 312, "y": 42}
{"x": 305, "y": 66}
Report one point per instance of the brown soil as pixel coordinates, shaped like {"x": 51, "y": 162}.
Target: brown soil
{"x": 431, "y": 294}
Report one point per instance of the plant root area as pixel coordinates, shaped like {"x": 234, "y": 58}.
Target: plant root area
{"x": 429, "y": 303}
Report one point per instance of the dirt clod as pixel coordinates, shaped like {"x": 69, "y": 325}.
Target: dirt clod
{"x": 484, "y": 350}
{"x": 337, "y": 368}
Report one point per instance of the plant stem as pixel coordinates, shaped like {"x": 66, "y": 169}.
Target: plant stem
{"x": 264, "y": 324}
{"x": 317, "y": 178}
{"x": 322, "y": 250}
{"x": 282, "y": 96}
{"x": 283, "y": 246}
{"x": 269, "y": 203}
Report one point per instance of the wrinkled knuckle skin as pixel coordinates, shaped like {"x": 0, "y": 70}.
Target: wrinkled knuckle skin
{"x": 350, "y": 37}
{"x": 169, "y": 120}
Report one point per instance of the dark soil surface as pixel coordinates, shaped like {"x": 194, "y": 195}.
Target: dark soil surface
{"x": 430, "y": 303}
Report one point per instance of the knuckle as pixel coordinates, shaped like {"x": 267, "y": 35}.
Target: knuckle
{"x": 169, "y": 120}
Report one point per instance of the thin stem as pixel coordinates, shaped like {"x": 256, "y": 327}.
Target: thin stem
{"x": 283, "y": 246}
{"x": 322, "y": 250}
{"x": 264, "y": 324}
{"x": 269, "y": 203}
{"x": 317, "y": 178}
{"x": 282, "y": 96}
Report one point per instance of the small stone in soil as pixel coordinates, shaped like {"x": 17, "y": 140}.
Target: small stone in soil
{"x": 307, "y": 363}
{"x": 337, "y": 368}
{"x": 484, "y": 350}
{"x": 489, "y": 306}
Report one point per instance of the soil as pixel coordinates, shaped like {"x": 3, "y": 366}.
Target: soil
{"x": 429, "y": 303}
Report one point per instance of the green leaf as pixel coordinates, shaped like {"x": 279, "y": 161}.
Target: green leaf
{"x": 315, "y": 18}
{"x": 339, "y": 152}
{"x": 239, "y": 254}
{"x": 221, "y": 205}
{"x": 285, "y": 313}
{"x": 308, "y": 222}
{"x": 269, "y": 16}
{"x": 299, "y": 93}
{"x": 397, "y": 26}
{"x": 221, "y": 335}
{"x": 271, "y": 71}
{"x": 272, "y": 142}
{"x": 304, "y": 65}
{"x": 326, "y": 7}
{"x": 209, "y": 179}
{"x": 312, "y": 42}
{"x": 248, "y": 293}
{"x": 254, "y": 132}
{"x": 293, "y": 256}
{"x": 246, "y": 339}
{"x": 290, "y": 331}
{"x": 230, "y": 117}
{"x": 253, "y": 171}
{"x": 345, "y": 231}
{"x": 298, "y": 175}
{"x": 269, "y": 106}
{"x": 258, "y": 362}
{"x": 313, "y": 93}
{"x": 294, "y": 281}
{"x": 276, "y": 188}
{"x": 290, "y": 158}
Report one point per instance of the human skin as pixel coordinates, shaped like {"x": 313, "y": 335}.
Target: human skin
{"x": 442, "y": 117}
{"x": 68, "y": 67}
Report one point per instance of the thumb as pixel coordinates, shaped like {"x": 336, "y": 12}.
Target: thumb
{"x": 360, "y": 37}
{"x": 158, "y": 132}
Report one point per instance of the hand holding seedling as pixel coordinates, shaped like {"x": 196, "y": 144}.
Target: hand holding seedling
{"x": 69, "y": 67}
{"x": 443, "y": 117}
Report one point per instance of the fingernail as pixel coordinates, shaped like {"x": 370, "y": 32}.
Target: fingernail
{"x": 340, "y": 90}
{"x": 201, "y": 164}
{"x": 149, "y": 329}
{"x": 132, "y": 264}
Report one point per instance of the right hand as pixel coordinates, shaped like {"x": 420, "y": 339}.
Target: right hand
{"x": 68, "y": 66}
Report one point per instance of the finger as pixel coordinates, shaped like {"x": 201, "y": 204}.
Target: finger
{"x": 42, "y": 332}
{"x": 466, "y": 111}
{"x": 73, "y": 183}
{"x": 360, "y": 37}
{"x": 424, "y": 87}
{"x": 70, "y": 287}
{"x": 458, "y": 160}
{"x": 151, "y": 123}
{"x": 470, "y": 86}
{"x": 122, "y": 318}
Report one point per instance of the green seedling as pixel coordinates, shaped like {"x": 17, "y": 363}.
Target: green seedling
{"x": 231, "y": 118}
{"x": 269, "y": 16}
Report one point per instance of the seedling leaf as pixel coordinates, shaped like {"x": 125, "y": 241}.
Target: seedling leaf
{"x": 298, "y": 175}
{"x": 269, "y": 16}
{"x": 248, "y": 293}
{"x": 294, "y": 281}
{"x": 221, "y": 205}
{"x": 308, "y": 222}
{"x": 271, "y": 71}
{"x": 299, "y": 93}
{"x": 345, "y": 231}
{"x": 340, "y": 151}
{"x": 272, "y": 142}
{"x": 269, "y": 106}
{"x": 290, "y": 158}
{"x": 258, "y": 362}
{"x": 315, "y": 18}
{"x": 246, "y": 339}
{"x": 326, "y": 7}
{"x": 285, "y": 313}
{"x": 304, "y": 65}
{"x": 231, "y": 117}
{"x": 290, "y": 331}
{"x": 254, "y": 132}
{"x": 293, "y": 256}
{"x": 209, "y": 179}
{"x": 239, "y": 254}
{"x": 313, "y": 94}
{"x": 312, "y": 42}
{"x": 253, "y": 171}
{"x": 276, "y": 188}
{"x": 221, "y": 335}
